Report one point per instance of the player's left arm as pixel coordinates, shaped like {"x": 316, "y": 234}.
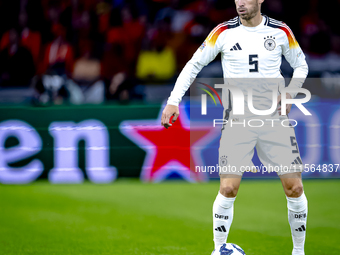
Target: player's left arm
{"x": 297, "y": 60}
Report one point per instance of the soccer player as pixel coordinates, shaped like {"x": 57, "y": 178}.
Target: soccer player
{"x": 251, "y": 47}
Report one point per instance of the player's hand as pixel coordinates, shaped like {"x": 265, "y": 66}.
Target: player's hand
{"x": 288, "y": 106}
{"x": 168, "y": 112}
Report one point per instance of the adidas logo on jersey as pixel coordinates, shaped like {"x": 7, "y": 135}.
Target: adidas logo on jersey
{"x": 300, "y": 229}
{"x": 236, "y": 47}
{"x": 221, "y": 229}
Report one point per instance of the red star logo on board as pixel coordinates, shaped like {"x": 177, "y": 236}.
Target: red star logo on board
{"x": 173, "y": 150}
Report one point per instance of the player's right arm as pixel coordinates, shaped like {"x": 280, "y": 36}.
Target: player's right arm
{"x": 203, "y": 56}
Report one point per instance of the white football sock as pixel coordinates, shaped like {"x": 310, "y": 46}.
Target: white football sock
{"x": 223, "y": 211}
{"x": 297, "y": 217}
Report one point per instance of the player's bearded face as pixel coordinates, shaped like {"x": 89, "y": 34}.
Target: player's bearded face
{"x": 248, "y": 9}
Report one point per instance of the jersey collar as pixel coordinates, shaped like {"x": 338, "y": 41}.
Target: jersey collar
{"x": 254, "y": 29}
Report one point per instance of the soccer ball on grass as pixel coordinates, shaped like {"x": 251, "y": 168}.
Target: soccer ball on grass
{"x": 229, "y": 249}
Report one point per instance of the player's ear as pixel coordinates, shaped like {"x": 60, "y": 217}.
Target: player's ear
{"x": 260, "y": 1}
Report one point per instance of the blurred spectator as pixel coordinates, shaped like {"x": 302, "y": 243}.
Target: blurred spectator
{"x": 317, "y": 43}
{"x": 134, "y": 30}
{"x": 274, "y": 8}
{"x": 16, "y": 62}
{"x": 58, "y": 54}
{"x": 113, "y": 62}
{"x": 155, "y": 5}
{"x": 123, "y": 88}
{"x": 29, "y": 39}
{"x": 195, "y": 32}
{"x": 120, "y": 82}
{"x": 158, "y": 62}
{"x": 86, "y": 86}
{"x": 114, "y": 65}
{"x": 128, "y": 29}
{"x": 176, "y": 15}
{"x": 115, "y": 34}
{"x": 49, "y": 89}
{"x": 222, "y": 11}
{"x": 80, "y": 20}
{"x": 87, "y": 66}
{"x": 103, "y": 11}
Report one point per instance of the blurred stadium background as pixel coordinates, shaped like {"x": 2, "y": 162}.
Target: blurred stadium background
{"x": 117, "y": 51}
{"x": 82, "y": 83}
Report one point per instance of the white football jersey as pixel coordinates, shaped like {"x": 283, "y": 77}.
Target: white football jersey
{"x": 246, "y": 52}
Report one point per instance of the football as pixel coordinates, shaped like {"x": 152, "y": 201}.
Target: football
{"x": 229, "y": 249}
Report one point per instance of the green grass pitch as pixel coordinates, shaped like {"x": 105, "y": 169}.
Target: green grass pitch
{"x": 130, "y": 217}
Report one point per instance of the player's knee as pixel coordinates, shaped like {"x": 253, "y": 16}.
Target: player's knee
{"x": 294, "y": 190}
{"x": 228, "y": 190}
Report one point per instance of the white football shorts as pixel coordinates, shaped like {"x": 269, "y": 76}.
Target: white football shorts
{"x": 274, "y": 141}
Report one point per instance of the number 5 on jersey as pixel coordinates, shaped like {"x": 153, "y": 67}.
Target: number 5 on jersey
{"x": 253, "y": 61}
